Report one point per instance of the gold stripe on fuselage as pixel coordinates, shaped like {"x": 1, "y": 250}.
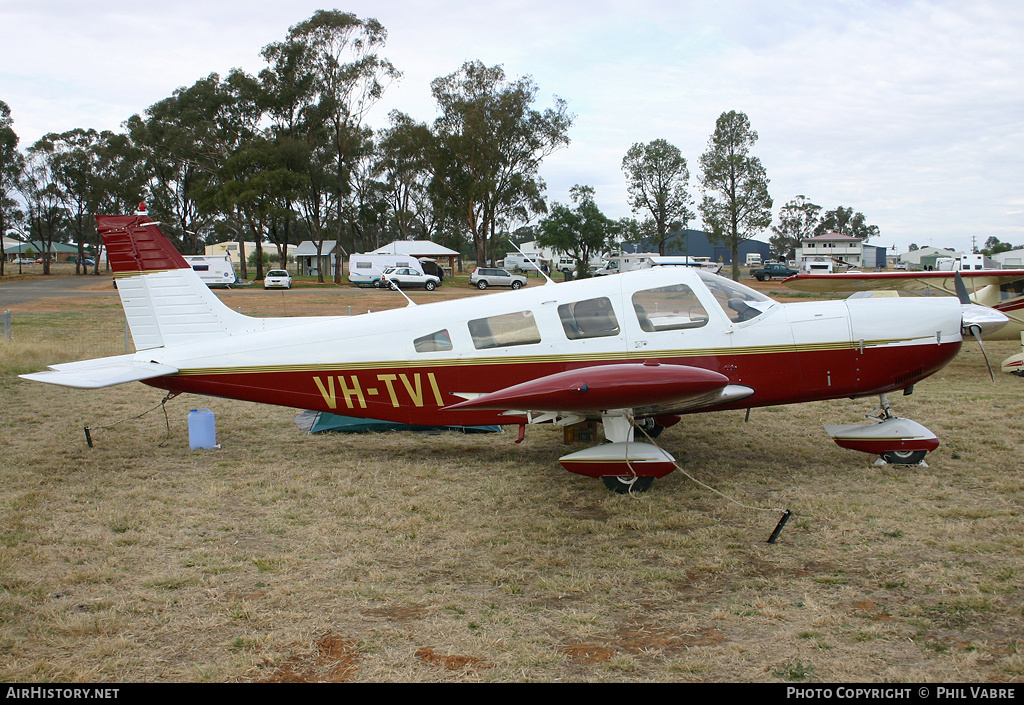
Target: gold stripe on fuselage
{"x": 544, "y": 359}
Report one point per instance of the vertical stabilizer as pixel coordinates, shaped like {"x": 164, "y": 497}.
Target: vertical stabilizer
{"x": 164, "y": 300}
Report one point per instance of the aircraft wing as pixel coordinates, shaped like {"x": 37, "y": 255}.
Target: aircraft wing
{"x": 101, "y": 372}
{"x": 906, "y": 281}
{"x": 646, "y": 387}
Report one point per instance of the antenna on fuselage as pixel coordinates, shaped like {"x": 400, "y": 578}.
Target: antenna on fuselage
{"x": 398, "y": 287}
{"x": 536, "y": 265}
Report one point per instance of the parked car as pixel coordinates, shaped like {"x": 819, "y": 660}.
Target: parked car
{"x": 404, "y": 277}
{"x": 565, "y": 264}
{"x": 483, "y": 277}
{"x": 777, "y": 270}
{"x": 277, "y": 279}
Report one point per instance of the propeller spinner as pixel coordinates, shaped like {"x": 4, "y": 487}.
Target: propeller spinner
{"x": 977, "y": 320}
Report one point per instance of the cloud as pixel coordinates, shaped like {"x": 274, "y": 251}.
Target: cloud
{"x": 907, "y": 111}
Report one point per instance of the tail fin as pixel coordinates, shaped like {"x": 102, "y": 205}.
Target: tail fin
{"x": 164, "y": 300}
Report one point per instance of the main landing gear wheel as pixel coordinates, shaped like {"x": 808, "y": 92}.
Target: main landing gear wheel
{"x": 651, "y": 427}
{"x": 626, "y": 485}
{"x": 904, "y": 457}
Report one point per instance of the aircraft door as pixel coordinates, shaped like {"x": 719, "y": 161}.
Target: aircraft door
{"x": 671, "y": 321}
{"x": 822, "y": 342}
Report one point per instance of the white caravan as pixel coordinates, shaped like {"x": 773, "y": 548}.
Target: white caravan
{"x": 364, "y": 269}
{"x": 215, "y": 270}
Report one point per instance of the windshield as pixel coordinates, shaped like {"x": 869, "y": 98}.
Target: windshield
{"x": 740, "y": 302}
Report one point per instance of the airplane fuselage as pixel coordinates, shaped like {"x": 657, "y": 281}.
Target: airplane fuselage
{"x": 407, "y": 365}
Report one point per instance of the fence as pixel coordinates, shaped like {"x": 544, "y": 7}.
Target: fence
{"x": 74, "y": 335}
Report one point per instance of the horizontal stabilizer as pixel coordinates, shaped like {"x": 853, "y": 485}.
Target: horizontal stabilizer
{"x": 101, "y": 372}
{"x": 592, "y": 389}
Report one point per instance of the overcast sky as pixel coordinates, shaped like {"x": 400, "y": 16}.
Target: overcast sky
{"x": 910, "y": 112}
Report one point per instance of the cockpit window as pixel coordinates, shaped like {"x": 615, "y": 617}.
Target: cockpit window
{"x": 501, "y": 331}
{"x": 740, "y": 303}
{"x": 673, "y": 307}
{"x": 592, "y": 318}
{"x": 434, "y": 342}
{"x": 1011, "y": 290}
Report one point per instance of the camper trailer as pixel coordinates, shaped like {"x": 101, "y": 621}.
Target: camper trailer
{"x": 525, "y": 261}
{"x": 616, "y": 264}
{"x": 215, "y": 270}
{"x": 365, "y": 269}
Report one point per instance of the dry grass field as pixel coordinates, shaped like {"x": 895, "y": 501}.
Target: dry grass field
{"x": 286, "y": 557}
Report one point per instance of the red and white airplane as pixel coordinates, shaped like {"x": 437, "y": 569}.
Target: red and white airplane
{"x": 999, "y": 289}
{"x": 637, "y": 350}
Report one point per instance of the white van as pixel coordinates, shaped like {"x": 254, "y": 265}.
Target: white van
{"x": 215, "y": 270}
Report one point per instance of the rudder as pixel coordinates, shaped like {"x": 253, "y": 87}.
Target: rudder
{"x": 164, "y": 300}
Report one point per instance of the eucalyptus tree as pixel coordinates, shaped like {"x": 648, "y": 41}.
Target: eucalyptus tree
{"x": 122, "y": 172}
{"x": 487, "y": 147}
{"x": 735, "y": 204}
{"x": 289, "y": 87}
{"x": 797, "y": 221}
{"x": 657, "y": 177}
{"x": 402, "y": 168}
{"x": 46, "y": 216}
{"x": 172, "y": 186}
{"x": 120, "y": 179}
{"x": 12, "y": 163}
{"x": 253, "y": 183}
{"x": 581, "y": 231}
{"x": 845, "y": 222}
{"x": 334, "y": 76}
{"x": 189, "y": 137}
{"x": 364, "y": 207}
{"x": 73, "y": 158}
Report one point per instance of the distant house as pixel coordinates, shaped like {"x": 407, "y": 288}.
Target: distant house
{"x": 834, "y": 247}
{"x": 306, "y": 260}
{"x": 59, "y": 251}
{"x": 230, "y": 248}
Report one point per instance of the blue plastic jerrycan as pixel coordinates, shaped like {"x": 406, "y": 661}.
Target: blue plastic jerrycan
{"x": 202, "y": 429}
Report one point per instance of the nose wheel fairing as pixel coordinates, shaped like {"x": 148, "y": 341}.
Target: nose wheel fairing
{"x": 894, "y": 439}
{"x": 630, "y": 459}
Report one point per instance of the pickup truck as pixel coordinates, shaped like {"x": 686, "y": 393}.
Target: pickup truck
{"x": 773, "y": 270}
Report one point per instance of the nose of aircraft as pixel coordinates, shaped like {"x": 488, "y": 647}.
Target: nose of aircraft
{"x": 981, "y": 320}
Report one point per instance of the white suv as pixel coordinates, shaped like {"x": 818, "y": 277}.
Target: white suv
{"x": 403, "y": 277}
{"x": 483, "y": 277}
